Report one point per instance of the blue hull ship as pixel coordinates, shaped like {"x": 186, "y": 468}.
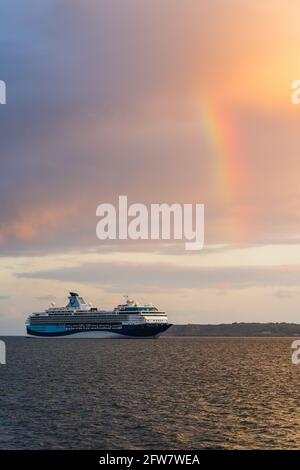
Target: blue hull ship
{"x": 79, "y": 319}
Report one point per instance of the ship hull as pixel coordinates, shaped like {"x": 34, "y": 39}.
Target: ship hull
{"x": 128, "y": 331}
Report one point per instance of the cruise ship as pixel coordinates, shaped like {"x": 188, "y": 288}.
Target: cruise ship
{"x": 80, "y": 320}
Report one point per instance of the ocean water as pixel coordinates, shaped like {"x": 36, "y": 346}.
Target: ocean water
{"x": 171, "y": 393}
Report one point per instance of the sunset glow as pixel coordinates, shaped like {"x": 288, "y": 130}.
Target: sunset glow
{"x": 186, "y": 102}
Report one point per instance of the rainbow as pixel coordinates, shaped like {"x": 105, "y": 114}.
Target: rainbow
{"x": 229, "y": 167}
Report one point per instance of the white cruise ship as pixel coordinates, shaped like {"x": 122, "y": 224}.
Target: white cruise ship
{"x": 79, "y": 319}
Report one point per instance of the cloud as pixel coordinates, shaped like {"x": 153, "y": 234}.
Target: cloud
{"x": 49, "y": 297}
{"x": 4, "y": 297}
{"x": 283, "y": 294}
{"x": 142, "y": 276}
{"x": 105, "y": 98}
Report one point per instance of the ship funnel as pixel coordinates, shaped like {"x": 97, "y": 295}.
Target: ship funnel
{"x": 75, "y": 301}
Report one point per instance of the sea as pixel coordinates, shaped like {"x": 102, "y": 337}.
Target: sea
{"x": 169, "y": 393}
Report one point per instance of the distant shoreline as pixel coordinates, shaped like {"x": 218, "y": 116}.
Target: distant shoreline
{"x": 236, "y": 329}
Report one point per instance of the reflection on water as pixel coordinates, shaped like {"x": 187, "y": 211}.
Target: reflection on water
{"x": 169, "y": 393}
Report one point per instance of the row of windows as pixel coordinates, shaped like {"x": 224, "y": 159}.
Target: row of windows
{"x": 69, "y": 322}
{"x": 87, "y": 326}
{"x": 86, "y": 319}
{"x": 139, "y": 309}
{"x": 95, "y": 317}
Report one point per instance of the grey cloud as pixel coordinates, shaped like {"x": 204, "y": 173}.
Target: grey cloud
{"x": 123, "y": 276}
{"x": 49, "y": 297}
{"x": 283, "y": 294}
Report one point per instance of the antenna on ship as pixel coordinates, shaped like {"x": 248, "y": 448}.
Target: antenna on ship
{"x": 129, "y": 301}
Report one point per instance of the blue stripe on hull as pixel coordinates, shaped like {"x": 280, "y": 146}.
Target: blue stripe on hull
{"x": 129, "y": 330}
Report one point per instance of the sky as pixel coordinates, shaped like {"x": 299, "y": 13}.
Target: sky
{"x": 162, "y": 101}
